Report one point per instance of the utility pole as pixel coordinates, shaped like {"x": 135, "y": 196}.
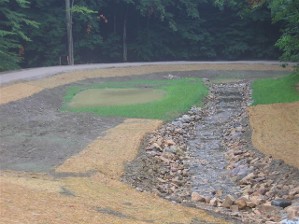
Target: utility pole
{"x": 69, "y": 27}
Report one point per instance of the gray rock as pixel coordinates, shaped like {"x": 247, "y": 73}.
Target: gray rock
{"x": 281, "y": 203}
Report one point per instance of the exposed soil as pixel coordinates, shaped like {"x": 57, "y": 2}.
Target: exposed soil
{"x": 33, "y": 128}
{"x": 38, "y": 138}
{"x": 273, "y": 138}
{"x": 111, "y": 97}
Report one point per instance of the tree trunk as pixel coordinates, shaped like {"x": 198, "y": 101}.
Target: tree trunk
{"x": 69, "y": 27}
{"x": 125, "y": 49}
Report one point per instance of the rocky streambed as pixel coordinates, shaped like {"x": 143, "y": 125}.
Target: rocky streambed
{"x": 205, "y": 159}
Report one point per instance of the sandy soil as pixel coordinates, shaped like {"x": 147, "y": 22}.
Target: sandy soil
{"x": 109, "y": 154}
{"x": 99, "y": 198}
{"x": 87, "y": 200}
{"x": 66, "y": 179}
{"x": 276, "y": 130}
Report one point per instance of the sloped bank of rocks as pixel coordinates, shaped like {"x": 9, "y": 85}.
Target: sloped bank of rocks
{"x": 205, "y": 159}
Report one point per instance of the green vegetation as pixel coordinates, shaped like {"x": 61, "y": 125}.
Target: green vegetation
{"x": 280, "y": 90}
{"x": 181, "y": 95}
{"x": 13, "y": 24}
{"x": 143, "y": 30}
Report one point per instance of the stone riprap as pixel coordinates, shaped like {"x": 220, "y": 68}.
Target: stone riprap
{"x": 205, "y": 159}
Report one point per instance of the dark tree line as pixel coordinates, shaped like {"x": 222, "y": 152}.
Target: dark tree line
{"x": 33, "y": 33}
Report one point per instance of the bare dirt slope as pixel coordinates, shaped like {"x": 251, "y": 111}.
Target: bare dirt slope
{"x": 276, "y": 130}
{"x": 95, "y": 197}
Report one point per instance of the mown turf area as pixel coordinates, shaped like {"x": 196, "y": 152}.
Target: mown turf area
{"x": 181, "y": 94}
{"x": 280, "y": 90}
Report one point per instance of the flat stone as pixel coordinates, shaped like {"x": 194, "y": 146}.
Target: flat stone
{"x": 281, "y": 203}
{"x": 228, "y": 201}
{"x": 293, "y": 212}
{"x": 294, "y": 191}
{"x": 234, "y": 208}
{"x": 197, "y": 197}
{"x": 214, "y": 202}
{"x": 241, "y": 203}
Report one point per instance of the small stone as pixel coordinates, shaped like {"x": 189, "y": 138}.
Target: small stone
{"x": 154, "y": 146}
{"x": 186, "y": 118}
{"x": 251, "y": 204}
{"x": 218, "y": 193}
{"x": 257, "y": 199}
{"x": 228, "y": 201}
{"x": 294, "y": 191}
{"x": 281, "y": 203}
{"x": 161, "y": 180}
{"x": 139, "y": 189}
{"x": 169, "y": 142}
{"x": 207, "y": 199}
{"x": 197, "y": 197}
{"x": 247, "y": 178}
{"x": 214, "y": 202}
{"x": 269, "y": 211}
{"x": 262, "y": 191}
{"x": 234, "y": 208}
{"x": 241, "y": 203}
{"x": 293, "y": 212}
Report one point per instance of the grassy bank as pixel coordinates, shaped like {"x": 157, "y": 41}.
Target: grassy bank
{"x": 279, "y": 90}
{"x": 181, "y": 94}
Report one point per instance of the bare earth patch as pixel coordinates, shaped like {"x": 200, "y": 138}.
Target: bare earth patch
{"x": 84, "y": 185}
{"x": 109, "y": 154}
{"x": 110, "y": 97}
{"x": 99, "y": 198}
{"x": 276, "y": 130}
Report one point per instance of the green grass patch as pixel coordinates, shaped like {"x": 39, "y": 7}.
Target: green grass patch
{"x": 181, "y": 94}
{"x": 279, "y": 90}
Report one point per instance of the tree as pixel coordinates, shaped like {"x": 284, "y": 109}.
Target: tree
{"x": 70, "y": 8}
{"x": 12, "y": 23}
{"x": 69, "y": 28}
{"x": 287, "y": 13}
{"x": 131, "y": 30}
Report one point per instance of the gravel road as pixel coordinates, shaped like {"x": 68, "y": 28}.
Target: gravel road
{"x": 42, "y": 72}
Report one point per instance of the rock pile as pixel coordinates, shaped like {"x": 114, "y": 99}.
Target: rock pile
{"x": 162, "y": 166}
{"x": 205, "y": 159}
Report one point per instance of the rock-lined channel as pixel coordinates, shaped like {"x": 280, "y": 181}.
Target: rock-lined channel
{"x": 205, "y": 159}
{"x": 207, "y": 153}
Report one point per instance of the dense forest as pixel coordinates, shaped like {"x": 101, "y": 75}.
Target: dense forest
{"x": 42, "y": 33}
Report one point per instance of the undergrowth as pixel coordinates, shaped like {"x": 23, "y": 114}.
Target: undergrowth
{"x": 181, "y": 94}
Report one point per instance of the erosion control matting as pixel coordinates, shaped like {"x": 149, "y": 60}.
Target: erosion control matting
{"x": 62, "y": 167}
{"x": 276, "y": 130}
